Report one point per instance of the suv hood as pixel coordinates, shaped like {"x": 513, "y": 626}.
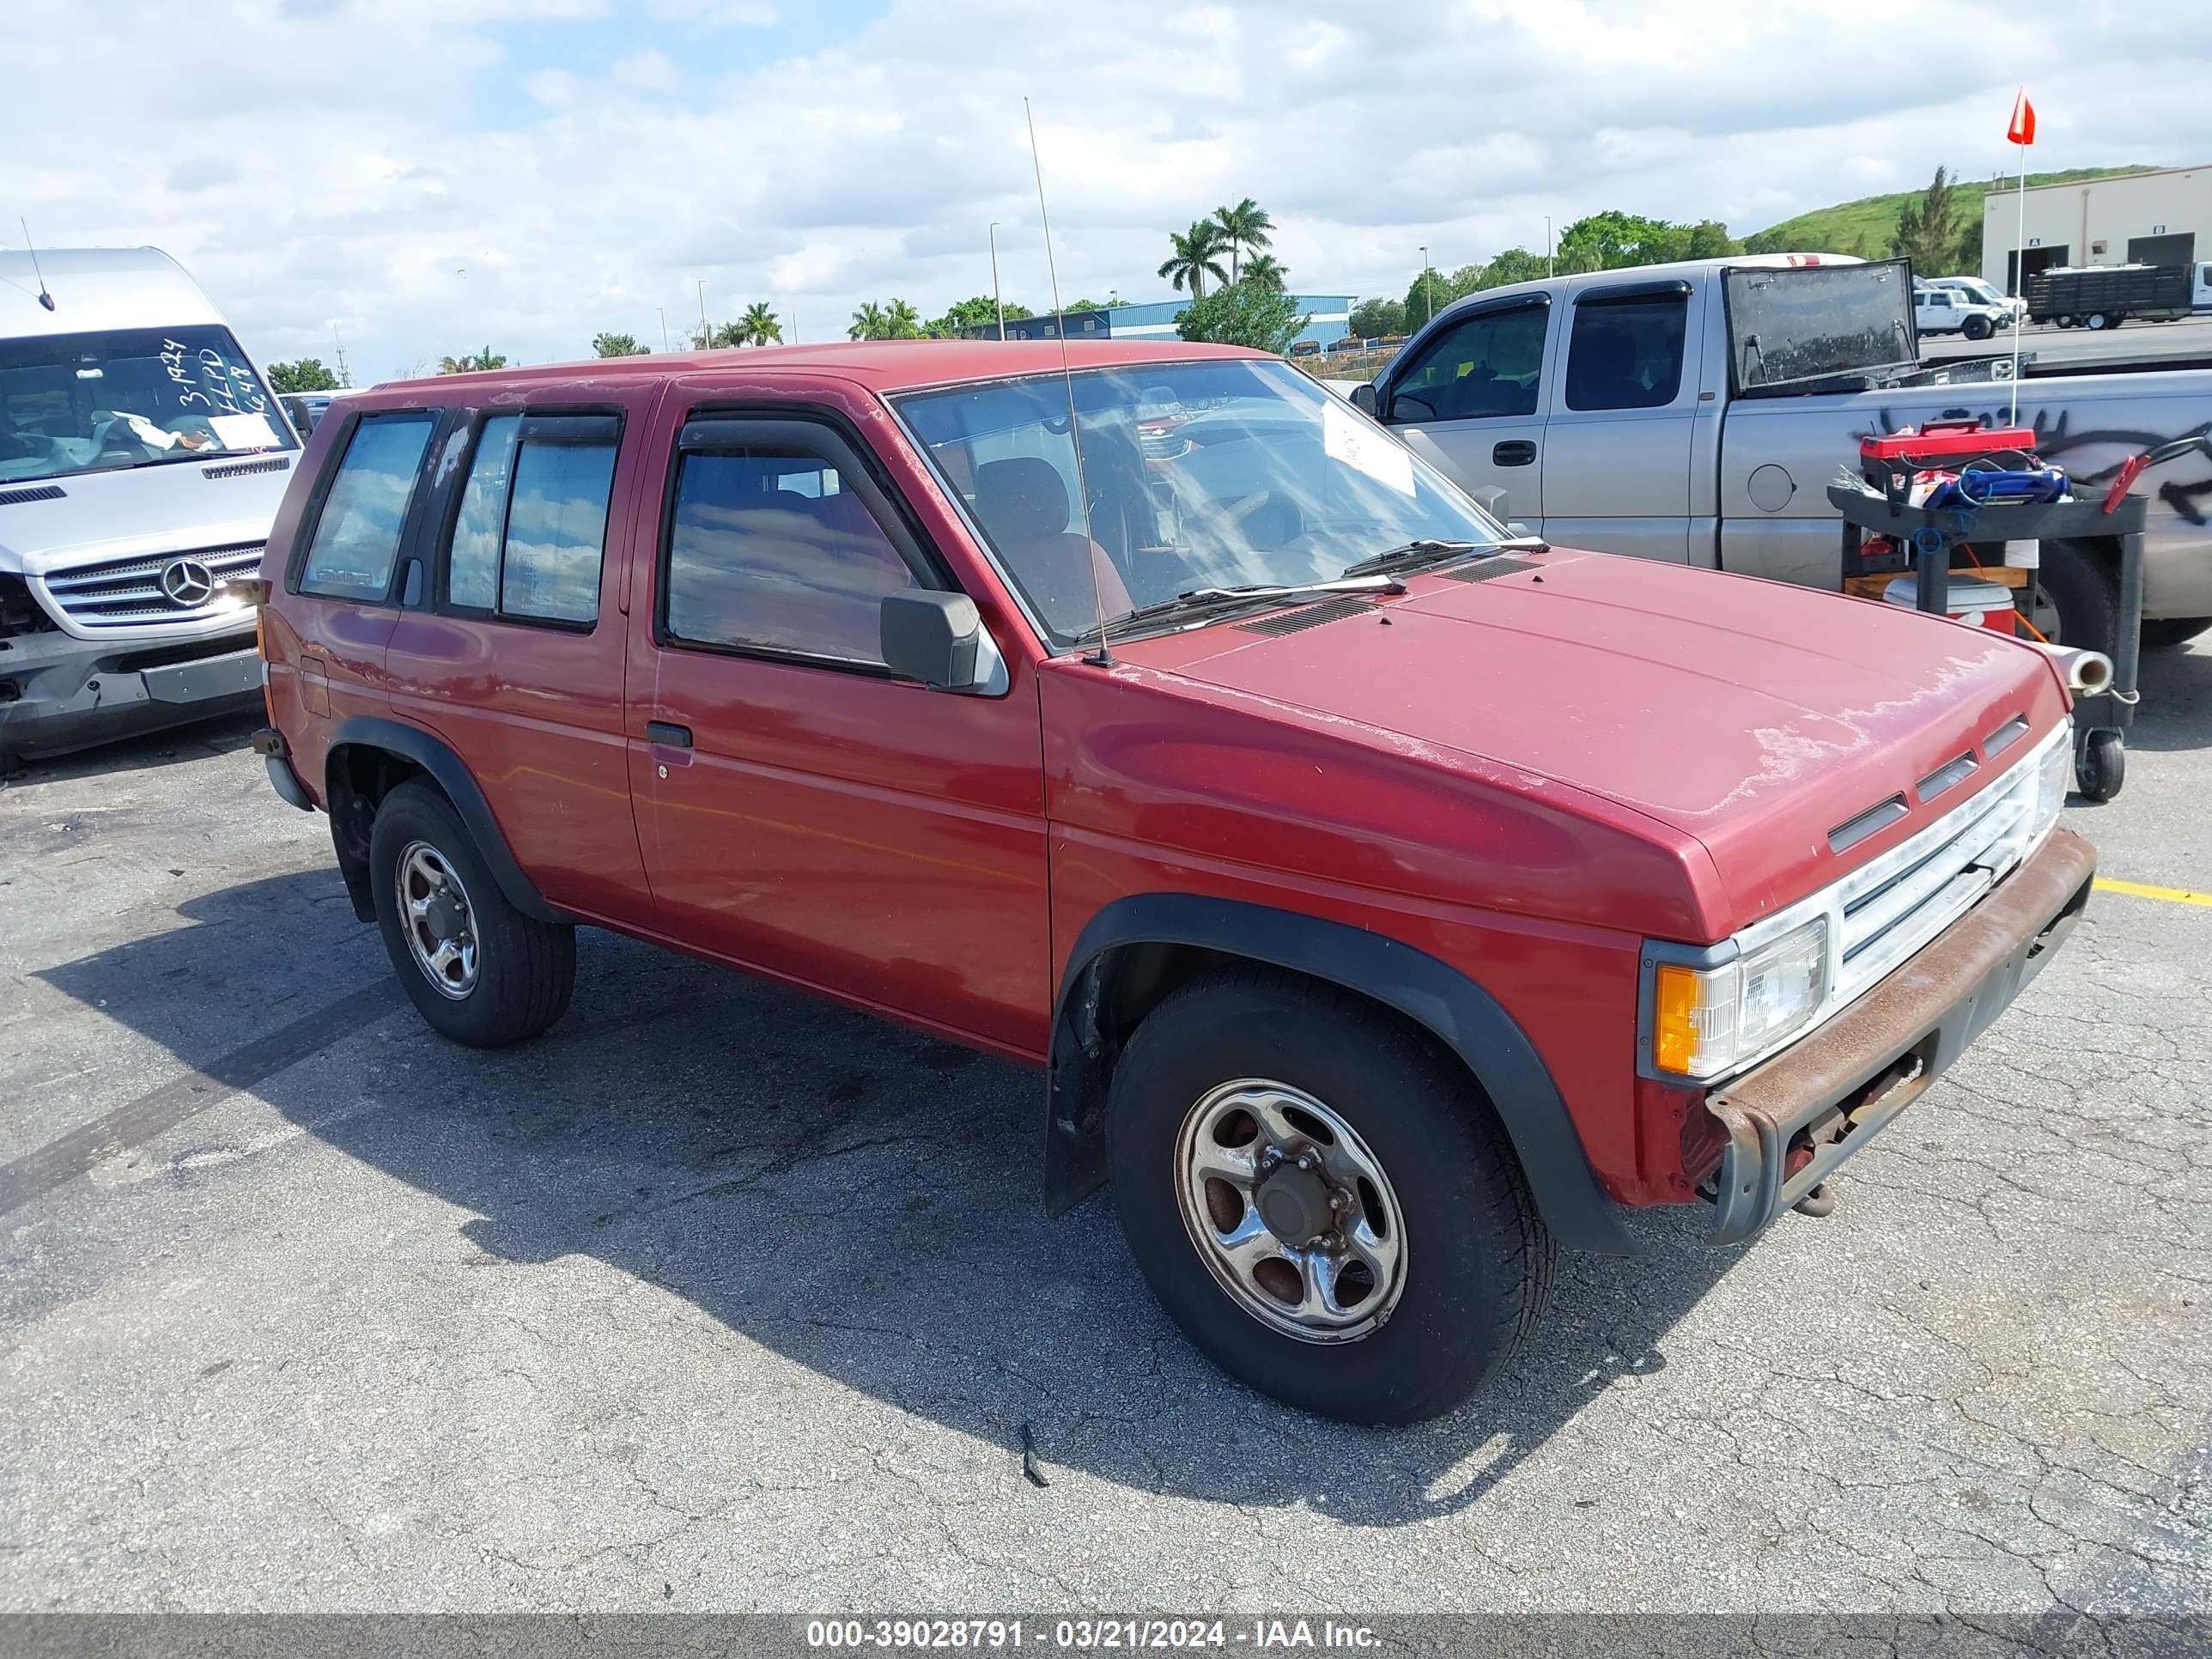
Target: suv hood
{"x": 173, "y": 508}
{"x": 1753, "y": 716}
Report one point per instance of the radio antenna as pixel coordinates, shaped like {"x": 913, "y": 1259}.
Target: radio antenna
{"x": 47, "y": 300}
{"x": 1102, "y": 656}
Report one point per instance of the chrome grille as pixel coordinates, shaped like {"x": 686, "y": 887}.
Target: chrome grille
{"x": 1903, "y": 899}
{"x": 122, "y": 593}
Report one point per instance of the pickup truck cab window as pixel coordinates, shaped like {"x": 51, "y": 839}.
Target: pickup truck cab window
{"x": 1488, "y": 365}
{"x": 357, "y": 536}
{"x": 1627, "y": 354}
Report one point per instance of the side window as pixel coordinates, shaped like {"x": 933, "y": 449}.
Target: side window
{"x": 1627, "y": 354}
{"x": 1489, "y": 364}
{"x": 357, "y": 536}
{"x": 531, "y": 532}
{"x": 771, "y": 549}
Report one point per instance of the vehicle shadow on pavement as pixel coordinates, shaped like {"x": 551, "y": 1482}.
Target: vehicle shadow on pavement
{"x": 862, "y": 1200}
{"x": 223, "y": 735}
{"x": 2176, "y": 711}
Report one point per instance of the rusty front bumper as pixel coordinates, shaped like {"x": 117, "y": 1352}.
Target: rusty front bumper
{"x": 1820, "y": 1100}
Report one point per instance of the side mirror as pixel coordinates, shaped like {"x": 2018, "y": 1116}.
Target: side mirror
{"x": 1363, "y": 398}
{"x": 934, "y": 638}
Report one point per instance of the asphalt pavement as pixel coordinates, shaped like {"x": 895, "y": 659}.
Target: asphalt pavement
{"x": 717, "y": 1298}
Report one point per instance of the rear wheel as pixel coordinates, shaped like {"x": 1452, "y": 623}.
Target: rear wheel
{"x": 477, "y": 969}
{"x": 2099, "y": 319}
{"x": 2066, "y": 321}
{"x": 1321, "y": 1199}
{"x": 1976, "y": 328}
{"x": 2101, "y": 768}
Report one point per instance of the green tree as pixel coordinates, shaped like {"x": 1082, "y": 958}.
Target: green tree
{"x": 1612, "y": 240}
{"x": 867, "y": 323}
{"x": 904, "y": 321}
{"x": 1266, "y": 271}
{"x": 487, "y": 358}
{"x": 1372, "y": 319}
{"x": 981, "y": 312}
{"x": 308, "y": 374}
{"x": 721, "y": 337}
{"x": 1429, "y": 293}
{"x": 897, "y": 320}
{"x": 1197, "y": 256}
{"x": 1930, "y": 231}
{"x": 1515, "y": 265}
{"x": 617, "y": 345}
{"x": 760, "y": 325}
{"x": 1244, "y": 228}
{"x": 1243, "y": 313}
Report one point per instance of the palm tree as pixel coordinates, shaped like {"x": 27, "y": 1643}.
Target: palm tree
{"x": 617, "y": 345}
{"x": 868, "y": 323}
{"x": 1266, "y": 271}
{"x": 759, "y": 326}
{"x": 486, "y": 358}
{"x": 1244, "y": 227}
{"x": 1197, "y": 256}
{"x": 902, "y": 322}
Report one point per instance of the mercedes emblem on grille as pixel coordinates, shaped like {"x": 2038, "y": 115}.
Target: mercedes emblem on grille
{"x": 187, "y": 583}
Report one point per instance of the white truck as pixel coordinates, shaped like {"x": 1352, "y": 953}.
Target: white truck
{"x": 142, "y": 459}
{"x": 1697, "y": 412}
{"x": 1939, "y": 310}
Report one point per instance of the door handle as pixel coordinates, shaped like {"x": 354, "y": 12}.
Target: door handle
{"x": 1515, "y": 451}
{"x": 667, "y": 733}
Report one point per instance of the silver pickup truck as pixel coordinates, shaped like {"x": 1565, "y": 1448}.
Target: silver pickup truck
{"x": 1697, "y": 412}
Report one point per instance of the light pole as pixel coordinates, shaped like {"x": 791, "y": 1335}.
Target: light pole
{"x": 706, "y": 335}
{"x": 997, "y": 304}
{"x": 663, "y": 310}
{"x": 1428, "y": 287}
{"x": 1547, "y": 245}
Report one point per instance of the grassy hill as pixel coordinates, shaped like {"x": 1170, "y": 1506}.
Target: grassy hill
{"x": 1871, "y": 219}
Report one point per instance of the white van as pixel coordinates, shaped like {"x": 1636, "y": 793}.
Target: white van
{"x": 142, "y": 459}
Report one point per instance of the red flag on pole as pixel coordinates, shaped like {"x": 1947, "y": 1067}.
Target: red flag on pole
{"x": 2023, "y": 129}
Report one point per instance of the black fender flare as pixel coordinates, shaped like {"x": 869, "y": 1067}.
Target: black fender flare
{"x": 1466, "y": 1018}
{"x": 452, "y": 774}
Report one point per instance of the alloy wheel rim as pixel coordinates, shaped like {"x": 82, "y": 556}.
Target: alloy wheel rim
{"x": 1291, "y": 1211}
{"x": 437, "y": 919}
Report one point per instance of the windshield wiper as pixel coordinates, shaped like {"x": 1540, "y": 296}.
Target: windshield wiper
{"x": 1201, "y": 600}
{"x": 1427, "y": 551}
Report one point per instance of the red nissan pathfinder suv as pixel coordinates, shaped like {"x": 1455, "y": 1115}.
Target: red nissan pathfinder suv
{"x": 1389, "y": 899}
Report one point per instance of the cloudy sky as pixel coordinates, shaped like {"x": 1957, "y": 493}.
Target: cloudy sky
{"x": 429, "y": 176}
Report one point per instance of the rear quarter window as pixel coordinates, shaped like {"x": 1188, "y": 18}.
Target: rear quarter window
{"x": 356, "y": 539}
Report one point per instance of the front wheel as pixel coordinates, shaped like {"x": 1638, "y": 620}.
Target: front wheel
{"x": 1321, "y": 1199}
{"x": 477, "y": 969}
{"x": 2101, "y": 768}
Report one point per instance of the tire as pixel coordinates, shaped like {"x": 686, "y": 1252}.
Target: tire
{"x": 2101, "y": 768}
{"x": 1976, "y": 328}
{"x": 2097, "y": 319}
{"x": 2066, "y": 321}
{"x": 1473, "y": 1267}
{"x": 2164, "y": 633}
{"x": 517, "y": 980}
{"x": 2075, "y": 597}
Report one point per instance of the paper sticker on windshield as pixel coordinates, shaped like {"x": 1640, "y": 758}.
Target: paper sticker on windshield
{"x": 1383, "y": 460}
{"x": 243, "y": 431}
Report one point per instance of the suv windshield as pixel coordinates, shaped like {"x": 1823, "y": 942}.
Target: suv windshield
{"x": 98, "y": 403}
{"x": 1218, "y": 474}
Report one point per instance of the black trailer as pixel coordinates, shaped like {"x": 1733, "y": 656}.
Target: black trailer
{"x": 2105, "y": 297}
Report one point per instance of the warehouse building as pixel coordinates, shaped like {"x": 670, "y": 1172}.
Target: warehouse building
{"x": 2159, "y": 218}
{"x": 1329, "y": 317}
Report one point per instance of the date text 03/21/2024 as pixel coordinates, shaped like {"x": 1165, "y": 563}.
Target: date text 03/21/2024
{"x": 1086, "y": 1634}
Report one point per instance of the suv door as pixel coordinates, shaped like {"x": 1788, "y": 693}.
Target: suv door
{"x": 1470, "y": 396}
{"x": 1617, "y": 470}
{"x": 512, "y": 647}
{"x": 801, "y": 812}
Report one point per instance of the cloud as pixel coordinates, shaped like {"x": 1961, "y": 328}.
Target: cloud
{"x": 586, "y": 165}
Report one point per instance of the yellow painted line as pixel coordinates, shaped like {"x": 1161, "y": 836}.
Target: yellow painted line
{"x": 2138, "y": 890}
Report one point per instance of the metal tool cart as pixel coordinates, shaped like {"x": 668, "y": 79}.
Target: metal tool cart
{"x": 1926, "y": 539}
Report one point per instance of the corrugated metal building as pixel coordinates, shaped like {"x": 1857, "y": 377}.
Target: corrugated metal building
{"x": 1328, "y": 318}
{"x": 2161, "y": 218}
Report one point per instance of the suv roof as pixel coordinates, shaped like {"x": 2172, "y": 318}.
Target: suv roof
{"x": 881, "y": 365}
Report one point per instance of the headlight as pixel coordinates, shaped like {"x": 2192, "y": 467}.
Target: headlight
{"x": 2054, "y": 777}
{"x": 1704, "y": 1019}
